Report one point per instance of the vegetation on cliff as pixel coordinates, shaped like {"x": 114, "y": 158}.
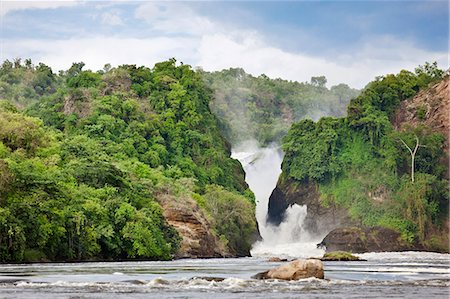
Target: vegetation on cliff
{"x": 339, "y": 256}
{"x": 85, "y": 157}
{"x": 362, "y": 164}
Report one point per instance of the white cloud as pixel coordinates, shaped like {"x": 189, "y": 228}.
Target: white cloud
{"x": 111, "y": 18}
{"x": 99, "y": 50}
{"x": 199, "y": 41}
{"x": 171, "y": 17}
{"x": 9, "y": 6}
{"x": 374, "y": 58}
{"x": 219, "y": 51}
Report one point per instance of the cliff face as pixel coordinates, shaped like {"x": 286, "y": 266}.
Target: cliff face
{"x": 429, "y": 107}
{"x": 198, "y": 240}
{"x": 360, "y": 240}
{"x": 319, "y": 220}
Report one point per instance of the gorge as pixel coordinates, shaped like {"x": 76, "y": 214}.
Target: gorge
{"x": 284, "y": 215}
{"x": 121, "y": 183}
{"x": 224, "y": 149}
{"x": 132, "y": 162}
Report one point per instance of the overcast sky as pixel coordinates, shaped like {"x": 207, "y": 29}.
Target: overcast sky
{"x": 347, "y": 41}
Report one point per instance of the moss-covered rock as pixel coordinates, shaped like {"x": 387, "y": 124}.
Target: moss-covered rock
{"x": 340, "y": 256}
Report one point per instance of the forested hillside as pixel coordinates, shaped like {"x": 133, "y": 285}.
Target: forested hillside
{"x": 88, "y": 158}
{"x": 379, "y": 175}
{"x": 263, "y": 109}
{"x": 130, "y": 162}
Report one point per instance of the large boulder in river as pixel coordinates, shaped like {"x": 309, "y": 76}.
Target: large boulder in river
{"x": 294, "y": 270}
{"x": 359, "y": 240}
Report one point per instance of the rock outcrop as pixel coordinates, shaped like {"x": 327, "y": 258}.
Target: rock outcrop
{"x": 295, "y": 270}
{"x": 198, "y": 241}
{"x": 359, "y": 240}
{"x": 429, "y": 107}
{"x": 319, "y": 220}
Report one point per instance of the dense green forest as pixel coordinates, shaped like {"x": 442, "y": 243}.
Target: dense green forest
{"x": 85, "y": 156}
{"x": 263, "y": 109}
{"x": 362, "y": 164}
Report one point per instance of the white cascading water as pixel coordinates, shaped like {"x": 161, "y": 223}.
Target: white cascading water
{"x": 262, "y": 168}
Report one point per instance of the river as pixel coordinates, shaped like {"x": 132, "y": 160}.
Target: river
{"x": 383, "y": 275}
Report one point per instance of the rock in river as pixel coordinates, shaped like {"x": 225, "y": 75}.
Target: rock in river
{"x": 340, "y": 256}
{"x": 359, "y": 240}
{"x": 294, "y": 270}
{"x": 276, "y": 260}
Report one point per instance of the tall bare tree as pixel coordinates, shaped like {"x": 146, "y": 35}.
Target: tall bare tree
{"x": 413, "y": 154}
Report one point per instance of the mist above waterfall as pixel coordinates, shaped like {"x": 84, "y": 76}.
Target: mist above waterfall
{"x": 254, "y": 114}
{"x": 290, "y": 239}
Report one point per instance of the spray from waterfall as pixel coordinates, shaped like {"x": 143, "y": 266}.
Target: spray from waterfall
{"x": 290, "y": 239}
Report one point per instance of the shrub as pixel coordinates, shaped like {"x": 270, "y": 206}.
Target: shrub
{"x": 232, "y": 216}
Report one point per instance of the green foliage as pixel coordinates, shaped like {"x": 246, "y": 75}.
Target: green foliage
{"x": 84, "y": 79}
{"x": 386, "y": 92}
{"x": 83, "y": 167}
{"x": 429, "y": 72}
{"x": 232, "y": 217}
{"x": 21, "y": 132}
{"x": 69, "y": 213}
{"x": 420, "y": 201}
{"x": 317, "y": 160}
{"x": 339, "y": 256}
{"x": 6, "y": 106}
{"x": 263, "y": 109}
{"x": 362, "y": 166}
{"x": 143, "y": 236}
{"x": 319, "y": 81}
{"x": 24, "y": 84}
{"x": 428, "y": 154}
{"x": 421, "y": 112}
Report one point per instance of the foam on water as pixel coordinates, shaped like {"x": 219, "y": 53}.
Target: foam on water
{"x": 406, "y": 256}
{"x": 231, "y": 279}
{"x": 289, "y": 239}
{"x": 226, "y": 284}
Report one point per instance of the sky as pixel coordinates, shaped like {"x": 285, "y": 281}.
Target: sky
{"x": 349, "y": 42}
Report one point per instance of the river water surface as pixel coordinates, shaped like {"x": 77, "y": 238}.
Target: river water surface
{"x": 383, "y": 275}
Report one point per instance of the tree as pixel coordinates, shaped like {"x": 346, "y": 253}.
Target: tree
{"x": 75, "y": 69}
{"x": 413, "y": 153}
{"x": 232, "y": 217}
{"x": 429, "y": 70}
{"x": 28, "y": 64}
{"x": 319, "y": 81}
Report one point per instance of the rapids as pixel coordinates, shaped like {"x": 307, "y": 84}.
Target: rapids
{"x": 383, "y": 275}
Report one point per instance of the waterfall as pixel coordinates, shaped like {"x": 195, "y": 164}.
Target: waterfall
{"x": 262, "y": 167}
